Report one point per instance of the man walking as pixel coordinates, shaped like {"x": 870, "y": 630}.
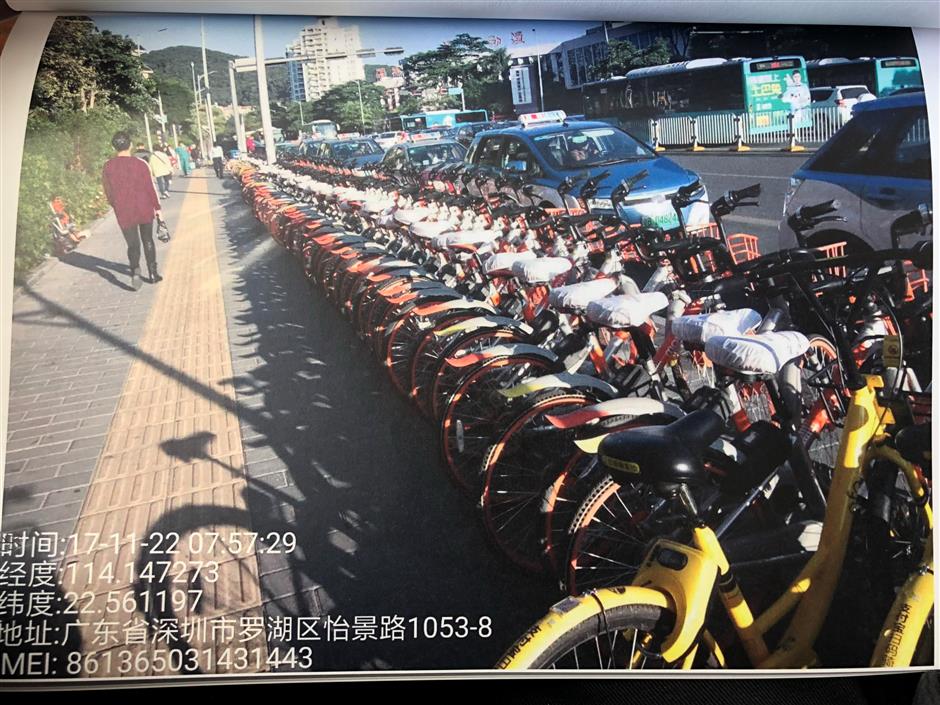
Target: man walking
{"x": 129, "y": 188}
{"x": 217, "y": 159}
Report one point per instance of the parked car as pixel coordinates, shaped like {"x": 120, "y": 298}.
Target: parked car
{"x": 387, "y": 139}
{"x": 877, "y": 167}
{"x": 843, "y": 98}
{"x": 351, "y": 152}
{"x": 547, "y": 148}
{"x": 422, "y": 154}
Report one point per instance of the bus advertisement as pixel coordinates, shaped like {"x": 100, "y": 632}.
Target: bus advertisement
{"x": 775, "y": 89}
{"x": 436, "y": 118}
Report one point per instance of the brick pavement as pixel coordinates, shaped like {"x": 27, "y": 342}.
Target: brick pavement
{"x": 163, "y": 460}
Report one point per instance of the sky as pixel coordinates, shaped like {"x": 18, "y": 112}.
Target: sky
{"x": 234, "y": 34}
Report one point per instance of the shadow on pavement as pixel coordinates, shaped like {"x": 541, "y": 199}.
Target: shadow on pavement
{"x": 381, "y": 531}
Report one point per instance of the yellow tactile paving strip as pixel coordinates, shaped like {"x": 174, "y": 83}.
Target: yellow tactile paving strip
{"x": 172, "y": 464}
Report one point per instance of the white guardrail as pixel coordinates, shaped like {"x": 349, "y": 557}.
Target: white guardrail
{"x": 727, "y": 128}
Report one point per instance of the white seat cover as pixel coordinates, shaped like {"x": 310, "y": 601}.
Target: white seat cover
{"x": 407, "y": 216}
{"x": 576, "y": 297}
{"x": 541, "y": 269}
{"x": 465, "y": 237}
{"x": 626, "y": 310}
{"x": 377, "y": 205}
{"x": 353, "y": 195}
{"x": 503, "y": 261}
{"x": 765, "y": 353}
{"x": 431, "y": 228}
{"x": 697, "y": 329}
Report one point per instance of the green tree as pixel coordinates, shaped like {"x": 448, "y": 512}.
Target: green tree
{"x": 341, "y": 105}
{"x": 81, "y": 68}
{"x": 624, "y": 56}
{"x": 465, "y": 60}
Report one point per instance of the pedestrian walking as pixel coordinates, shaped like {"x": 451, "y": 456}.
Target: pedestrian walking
{"x": 250, "y": 144}
{"x": 161, "y": 169}
{"x": 142, "y": 152}
{"x": 217, "y": 159}
{"x": 129, "y": 188}
{"x": 182, "y": 153}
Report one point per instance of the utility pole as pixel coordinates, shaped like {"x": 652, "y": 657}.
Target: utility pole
{"x": 147, "y": 130}
{"x": 538, "y": 60}
{"x": 162, "y": 116}
{"x": 202, "y": 144}
{"x": 205, "y": 74}
{"x": 266, "y": 127}
{"x": 239, "y": 128}
{"x": 362, "y": 114}
{"x": 176, "y": 137}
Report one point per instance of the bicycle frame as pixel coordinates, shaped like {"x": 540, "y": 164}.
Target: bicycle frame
{"x": 812, "y": 591}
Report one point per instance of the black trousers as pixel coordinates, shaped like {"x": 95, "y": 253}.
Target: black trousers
{"x": 137, "y": 235}
{"x": 219, "y": 166}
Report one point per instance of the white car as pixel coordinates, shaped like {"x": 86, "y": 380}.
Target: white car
{"x": 842, "y": 97}
{"x": 877, "y": 167}
{"x": 388, "y": 139}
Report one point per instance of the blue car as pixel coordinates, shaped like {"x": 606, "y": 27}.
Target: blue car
{"x": 546, "y": 148}
{"x": 354, "y": 152}
{"x": 877, "y": 166}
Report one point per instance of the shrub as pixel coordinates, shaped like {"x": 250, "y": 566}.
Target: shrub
{"x": 62, "y": 158}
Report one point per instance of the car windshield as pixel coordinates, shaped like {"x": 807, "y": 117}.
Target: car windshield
{"x": 854, "y": 92}
{"x": 820, "y": 94}
{"x": 590, "y": 146}
{"x": 430, "y": 154}
{"x": 347, "y": 150}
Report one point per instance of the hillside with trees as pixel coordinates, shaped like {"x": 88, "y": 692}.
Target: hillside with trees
{"x": 174, "y": 63}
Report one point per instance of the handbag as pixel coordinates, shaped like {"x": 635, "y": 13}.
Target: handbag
{"x": 163, "y": 232}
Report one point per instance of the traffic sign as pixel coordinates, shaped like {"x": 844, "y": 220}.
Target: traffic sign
{"x": 454, "y": 91}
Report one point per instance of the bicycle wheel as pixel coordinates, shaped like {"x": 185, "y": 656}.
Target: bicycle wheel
{"x": 820, "y": 386}
{"x": 469, "y": 419}
{"x": 579, "y": 634}
{"x": 610, "y": 532}
{"x": 516, "y": 469}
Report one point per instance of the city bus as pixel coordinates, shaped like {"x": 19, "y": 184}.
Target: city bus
{"x": 882, "y": 76}
{"x": 767, "y": 89}
{"x": 435, "y": 118}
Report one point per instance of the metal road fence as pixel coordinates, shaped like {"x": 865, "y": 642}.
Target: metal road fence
{"x": 726, "y": 127}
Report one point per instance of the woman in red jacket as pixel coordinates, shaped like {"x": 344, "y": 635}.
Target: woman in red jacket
{"x": 130, "y": 191}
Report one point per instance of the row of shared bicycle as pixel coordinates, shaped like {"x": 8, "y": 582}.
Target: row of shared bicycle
{"x": 664, "y": 421}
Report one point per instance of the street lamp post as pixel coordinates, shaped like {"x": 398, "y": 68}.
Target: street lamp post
{"x": 205, "y": 74}
{"x": 538, "y": 63}
{"x": 202, "y": 144}
{"x": 362, "y": 114}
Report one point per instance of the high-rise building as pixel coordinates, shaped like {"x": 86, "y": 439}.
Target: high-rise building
{"x": 330, "y": 51}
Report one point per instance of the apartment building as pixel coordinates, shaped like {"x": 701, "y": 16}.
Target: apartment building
{"x": 330, "y": 58}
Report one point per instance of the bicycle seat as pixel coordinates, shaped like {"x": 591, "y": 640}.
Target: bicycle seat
{"x": 408, "y": 216}
{"x": 913, "y": 443}
{"x": 431, "y": 228}
{"x": 627, "y": 310}
{"x": 465, "y": 237}
{"x": 501, "y": 263}
{"x": 541, "y": 270}
{"x": 662, "y": 455}
{"x": 576, "y": 297}
{"x": 763, "y": 354}
{"x": 698, "y": 329}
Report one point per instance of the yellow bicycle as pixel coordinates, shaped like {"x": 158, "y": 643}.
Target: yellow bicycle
{"x": 659, "y": 620}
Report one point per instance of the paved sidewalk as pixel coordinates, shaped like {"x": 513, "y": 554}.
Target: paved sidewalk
{"x": 193, "y": 426}
{"x": 157, "y": 470}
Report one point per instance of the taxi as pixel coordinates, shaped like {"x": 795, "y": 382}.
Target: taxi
{"x": 547, "y": 148}
{"x": 422, "y": 150}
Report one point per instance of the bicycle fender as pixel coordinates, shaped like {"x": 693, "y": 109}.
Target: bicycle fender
{"x": 563, "y": 380}
{"x": 453, "y": 305}
{"x": 480, "y": 322}
{"x": 500, "y": 351}
{"x": 624, "y": 406}
{"x": 568, "y": 614}
{"x": 688, "y": 577}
